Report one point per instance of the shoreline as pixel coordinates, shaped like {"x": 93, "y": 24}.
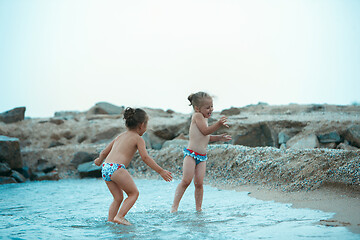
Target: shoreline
{"x": 343, "y": 201}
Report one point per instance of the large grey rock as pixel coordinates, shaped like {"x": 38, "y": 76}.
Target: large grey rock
{"x": 10, "y": 152}
{"x": 7, "y": 180}
{"x": 13, "y": 115}
{"x": 175, "y": 142}
{"x": 255, "y": 135}
{"x": 106, "y": 135}
{"x": 45, "y": 166}
{"x": 5, "y": 170}
{"x": 353, "y": 135}
{"x": 106, "y": 108}
{"x": 89, "y": 169}
{"x": 18, "y": 176}
{"x": 303, "y": 142}
{"x": 83, "y": 157}
{"x": 230, "y": 111}
{"x": 332, "y": 137}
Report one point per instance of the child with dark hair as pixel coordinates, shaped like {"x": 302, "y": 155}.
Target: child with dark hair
{"x": 117, "y": 156}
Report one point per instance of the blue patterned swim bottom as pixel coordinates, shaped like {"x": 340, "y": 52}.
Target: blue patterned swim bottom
{"x": 108, "y": 169}
{"x": 196, "y": 156}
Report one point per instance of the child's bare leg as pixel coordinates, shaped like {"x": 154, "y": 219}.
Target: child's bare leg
{"x": 124, "y": 181}
{"x": 118, "y": 198}
{"x": 188, "y": 174}
{"x": 198, "y": 182}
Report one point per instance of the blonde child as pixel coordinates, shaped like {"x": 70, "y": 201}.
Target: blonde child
{"x": 195, "y": 157}
{"x": 117, "y": 156}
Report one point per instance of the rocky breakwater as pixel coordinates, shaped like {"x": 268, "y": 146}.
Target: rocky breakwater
{"x": 289, "y": 147}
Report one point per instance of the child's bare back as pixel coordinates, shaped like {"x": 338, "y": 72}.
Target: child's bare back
{"x": 124, "y": 148}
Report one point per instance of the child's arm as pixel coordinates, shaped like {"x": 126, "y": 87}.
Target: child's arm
{"x": 207, "y": 130}
{"x": 150, "y": 162}
{"x": 223, "y": 137}
{"x": 98, "y": 161}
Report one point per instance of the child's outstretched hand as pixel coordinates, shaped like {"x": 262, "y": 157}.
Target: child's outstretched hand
{"x": 223, "y": 121}
{"x": 225, "y": 137}
{"x": 166, "y": 175}
{"x": 97, "y": 162}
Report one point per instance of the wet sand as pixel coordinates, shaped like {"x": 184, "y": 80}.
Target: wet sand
{"x": 341, "y": 200}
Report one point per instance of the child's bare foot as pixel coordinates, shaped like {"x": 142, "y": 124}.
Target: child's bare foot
{"x": 121, "y": 220}
{"x": 173, "y": 210}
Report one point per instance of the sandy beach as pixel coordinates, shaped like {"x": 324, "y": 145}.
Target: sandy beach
{"x": 344, "y": 202}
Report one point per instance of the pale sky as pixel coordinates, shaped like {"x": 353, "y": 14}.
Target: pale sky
{"x": 67, "y": 55}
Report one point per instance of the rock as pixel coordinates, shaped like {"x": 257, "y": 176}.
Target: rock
{"x": 89, "y": 169}
{"x": 18, "y": 176}
{"x": 353, "y": 135}
{"x": 168, "y": 132}
{"x": 55, "y": 144}
{"x": 301, "y": 142}
{"x": 45, "y": 166}
{"x": 346, "y": 146}
{"x": 147, "y": 140}
{"x": 332, "y": 137}
{"x": 106, "y": 135}
{"x": 255, "y": 135}
{"x": 68, "y": 134}
{"x": 25, "y": 171}
{"x": 230, "y": 111}
{"x": 175, "y": 142}
{"x": 41, "y": 176}
{"x": 13, "y": 115}
{"x": 82, "y": 138}
{"x": 10, "y": 152}
{"x": 106, "y": 108}
{"x": 283, "y": 138}
{"x": 56, "y": 121}
{"x": 83, "y": 157}
{"x": 67, "y": 114}
{"x": 7, "y": 180}
{"x": 5, "y": 170}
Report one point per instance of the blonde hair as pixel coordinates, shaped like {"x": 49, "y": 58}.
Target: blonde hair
{"x": 196, "y": 99}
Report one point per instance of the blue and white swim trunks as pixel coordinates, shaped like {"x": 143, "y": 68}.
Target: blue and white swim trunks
{"x": 196, "y": 156}
{"x": 108, "y": 169}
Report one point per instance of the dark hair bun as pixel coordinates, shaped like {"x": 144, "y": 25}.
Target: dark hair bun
{"x": 129, "y": 113}
{"x": 134, "y": 117}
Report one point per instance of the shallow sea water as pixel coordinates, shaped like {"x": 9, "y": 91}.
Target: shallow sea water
{"x": 78, "y": 208}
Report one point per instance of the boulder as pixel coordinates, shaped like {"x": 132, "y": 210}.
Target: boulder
{"x": 303, "y": 141}
{"x": 346, "y": 146}
{"x": 168, "y": 132}
{"x": 10, "y": 152}
{"x": 353, "y": 135}
{"x": 41, "y": 176}
{"x": 45, "y": 166}
{"x": 106, "y": 108}
{"x": 89, "y": 169}
{"x": 83, "y": 157}
{"x": 332, "y": 137}
{"x": 176, "y": 142}
{"x": 18, "y": 176}
{"x": 13, "y": 115}
{"x": 256, "y": 135}
{"x": 56, "y": 121}
{"x": 5, "y": 169}
{"x": 6, "y": 180}
{"x": 106, "y": 135}
{"x": 230, "y": 111}
{"x": 55, "y": 144}
{"x": 68, "y": 134}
